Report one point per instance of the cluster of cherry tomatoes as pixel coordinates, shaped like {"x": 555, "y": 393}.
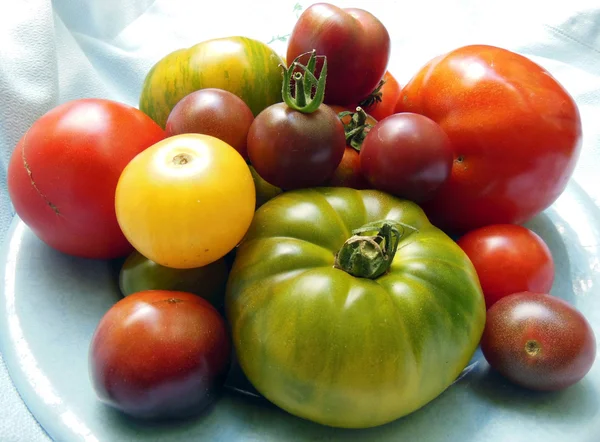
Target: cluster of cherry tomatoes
{"x": 481, "y": 146}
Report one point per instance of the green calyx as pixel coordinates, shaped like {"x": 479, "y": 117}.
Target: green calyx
{"x": 371, "y": 250}
{"x": 302, "y": 99}
{"x": 374, "y": 97}
{"x": 357, "y": 128}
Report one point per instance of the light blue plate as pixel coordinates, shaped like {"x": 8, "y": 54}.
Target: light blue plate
{"x": 51, "y": 304}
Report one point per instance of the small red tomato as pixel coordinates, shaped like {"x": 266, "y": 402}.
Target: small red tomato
{"x": 348, "y": 173}
{"x": 64, "y": 171}
{"x": 213, "y": 112}
{"x": 508, "y": 259}
{"x": 538, "y": 341}
{"x": 407, "y": 155}
{"x": 160, "y": 354}
{"x": 381, "y": 103}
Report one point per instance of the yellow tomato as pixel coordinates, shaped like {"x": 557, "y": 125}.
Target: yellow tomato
{"x": 186, "y": 201}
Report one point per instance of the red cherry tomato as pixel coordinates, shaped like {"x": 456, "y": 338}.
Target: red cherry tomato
{"x": 64, "y": 171}
{"x": 508, "y": 259}
{"x": 160, "y": 354}
{"x": 381, "y": 103}
{"x": 538, "y": 341}
{"x": 356, "y": 44}
{"x": 213, "y": 112}
{"x": 407, "y": 155}
{"x": 515, "y": 133}
{"x": 348, "y": 173}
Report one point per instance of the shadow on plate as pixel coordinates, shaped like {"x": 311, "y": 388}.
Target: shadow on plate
{"x": 548, "y": 231}
{"x": 576, "y": 404}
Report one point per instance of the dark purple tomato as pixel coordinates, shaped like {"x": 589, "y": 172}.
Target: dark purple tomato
{"x": 213, "y": 112}
{"x": 407, "y": 155}
{"x": 538, "y": 341}
{"x": 291, "y": 149}
{"x": 160, "y": 354}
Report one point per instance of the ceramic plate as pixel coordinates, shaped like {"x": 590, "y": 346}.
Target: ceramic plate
{"x": 51, "y": 304}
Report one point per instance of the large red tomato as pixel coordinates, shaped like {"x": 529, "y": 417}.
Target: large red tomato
{"x": 63, "y": 174}
{"x": 515, "y": 133}
{"x": 356, "y": 44}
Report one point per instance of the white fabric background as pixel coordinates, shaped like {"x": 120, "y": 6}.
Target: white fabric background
{"x": 53, "y": 51}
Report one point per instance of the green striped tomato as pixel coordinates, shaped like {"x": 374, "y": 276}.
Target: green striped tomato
{"x": 245, "y": 67}
{"x": 342, "y": 350}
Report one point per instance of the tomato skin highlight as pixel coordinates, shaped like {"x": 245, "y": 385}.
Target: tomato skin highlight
{"x": 356, "y": 44}
{"x": 160, "y": 354}
{"x": 186, "y": 201}
{"x": 64, "y": 171}
{"x": 291, "y": 149}
{"x": 538, "y": 341}
{"x": 508, "y": 259}
{"x": 515, "y": 134}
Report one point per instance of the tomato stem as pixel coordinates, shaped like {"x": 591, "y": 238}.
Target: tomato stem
{"x": 305, "y": 81}
{"x": 357, "y": 128}
{"x": 300, "y": 94}
{"x": 365, "y": 255}
{"x": 373, "y": 97}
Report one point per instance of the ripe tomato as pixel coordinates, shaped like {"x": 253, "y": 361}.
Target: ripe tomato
{"x": 63, "y": 173}
{"x": 139, "y": 274}
{"x": 291, "y": 149}
{"x": 407, "y": 155}
{"x": 356, "y": 44}
{"x": 213, "y": 112}
{"x": 538, "y": 341}
{"x": 300, "y": 142}
{"x": 382, "y": 101}
{"x": 160, "y": 354}
{"x": 515, "y": 133}
{"x": 508, "y": 259}
{"x": 186, "y": 201}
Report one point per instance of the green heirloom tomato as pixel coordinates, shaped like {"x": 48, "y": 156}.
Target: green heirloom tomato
{"x": 139, "y": 273}
{"x": 245, "y": 67}
{"x": 343, "y": 350}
